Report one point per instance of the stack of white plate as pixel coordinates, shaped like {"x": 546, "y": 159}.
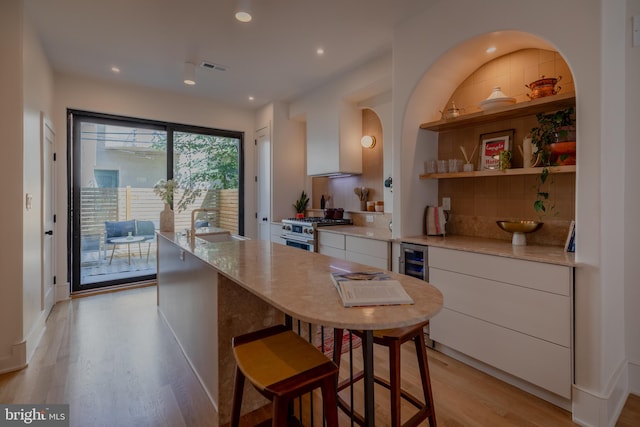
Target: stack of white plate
{"x": 497, "y": 99}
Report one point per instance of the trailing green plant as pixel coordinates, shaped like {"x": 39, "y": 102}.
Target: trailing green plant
{"x": 301, "y": 204}
{"x": 543, "y": 205}
{"x": 551, "y": 127}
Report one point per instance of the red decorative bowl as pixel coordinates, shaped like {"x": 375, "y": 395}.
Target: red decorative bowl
{"x": 563, "y": 153}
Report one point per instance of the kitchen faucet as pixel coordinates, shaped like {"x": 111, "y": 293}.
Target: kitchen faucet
{"x": 193, "y": 219}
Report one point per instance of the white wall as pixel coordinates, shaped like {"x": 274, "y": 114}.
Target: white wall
{"x": 80, "y": 93}
{"x": 38, "y": 99}
{"x": 12, "y": 346}
{"x": 632, "y": 202}
{"x": 421, "y": 86}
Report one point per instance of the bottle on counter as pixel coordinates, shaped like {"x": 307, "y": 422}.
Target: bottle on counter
{"x": 322, "y": 202}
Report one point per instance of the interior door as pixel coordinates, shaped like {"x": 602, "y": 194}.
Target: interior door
{"x": 47, "y": 173}
{"x": 263, "y": 142}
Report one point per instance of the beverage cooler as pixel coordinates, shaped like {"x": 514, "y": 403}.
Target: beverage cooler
{"x": 413, "y": 261}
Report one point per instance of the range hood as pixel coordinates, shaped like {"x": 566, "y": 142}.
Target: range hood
{"x": 333, "y": 140}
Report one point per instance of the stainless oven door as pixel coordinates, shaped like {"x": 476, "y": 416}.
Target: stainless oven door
{"x": 297, "y": 242}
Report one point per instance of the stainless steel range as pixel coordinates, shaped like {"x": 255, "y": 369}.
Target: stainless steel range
{"x": 301, "y": 232}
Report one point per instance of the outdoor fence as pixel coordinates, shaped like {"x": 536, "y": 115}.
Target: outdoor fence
{"x": 119, "y": 204}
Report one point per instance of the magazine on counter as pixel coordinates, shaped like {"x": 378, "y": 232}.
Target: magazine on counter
{"x": 369, "y": 288}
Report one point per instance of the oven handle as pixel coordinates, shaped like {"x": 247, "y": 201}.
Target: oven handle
{"x": 297, "y": 239}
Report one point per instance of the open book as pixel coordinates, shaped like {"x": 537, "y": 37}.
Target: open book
{"x": 365, "y": 288}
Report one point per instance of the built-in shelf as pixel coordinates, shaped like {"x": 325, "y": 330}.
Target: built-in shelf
{"x": 506, "y": 172}
{"x": 521, "y": 109}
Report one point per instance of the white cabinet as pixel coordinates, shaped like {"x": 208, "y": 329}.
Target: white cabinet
{"x": 275, "y": 232}
{"x": 331, "y": 244}
{"x": 372, "y": 252}
{"x": 512, "y": 314}
{"x": 367, "y": 251}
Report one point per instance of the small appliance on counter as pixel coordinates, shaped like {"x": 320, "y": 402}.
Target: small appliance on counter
{"x": 436, "y": 219}
{"x": 301, "y": 232}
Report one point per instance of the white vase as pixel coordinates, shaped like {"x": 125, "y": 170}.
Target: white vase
{"x": 166, "y": 219}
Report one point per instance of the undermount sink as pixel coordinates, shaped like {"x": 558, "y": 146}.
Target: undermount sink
{"x": 216, "y": 236}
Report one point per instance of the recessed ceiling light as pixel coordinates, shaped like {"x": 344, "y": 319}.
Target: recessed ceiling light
{"x": 189, "y": 74}
{"x": 115, "y": 69}
{"x": 251, "y": 98}
{"x": 243, "y": 10}
{"x": 320, "y": 51}
{"x": 491, "y": 49}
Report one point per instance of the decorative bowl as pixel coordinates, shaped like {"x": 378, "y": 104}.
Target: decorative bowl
{"x": 496, "y": 99}
{"x": 543, "y": 87}
{"x": 518, "y": 228}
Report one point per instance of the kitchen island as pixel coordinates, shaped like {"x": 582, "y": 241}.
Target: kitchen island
{"x": 210, "y": 292}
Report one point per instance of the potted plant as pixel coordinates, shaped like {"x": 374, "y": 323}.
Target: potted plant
{"x": 554, "y": 129}
{"x": 554, "y": 138}
{"x": 301, "y": 204}
{"x": 165, "y": 189}
{"x": 543, "y": 205}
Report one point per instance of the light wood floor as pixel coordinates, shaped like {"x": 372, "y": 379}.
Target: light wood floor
{"x": 114, "y": 361}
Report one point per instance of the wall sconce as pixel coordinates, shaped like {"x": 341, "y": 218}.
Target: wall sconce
{"x": 189, "y": 74}
{"x": 368, "y": 141}
{"x": 243, "y": 10}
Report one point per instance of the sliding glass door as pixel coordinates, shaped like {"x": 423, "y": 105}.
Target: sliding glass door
{"x": 210, "y": 164}
{"x": 114, "y": 164}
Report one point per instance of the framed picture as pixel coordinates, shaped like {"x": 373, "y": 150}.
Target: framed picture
{"x": 570, "y": 244}
{"x": 491, "y": 144}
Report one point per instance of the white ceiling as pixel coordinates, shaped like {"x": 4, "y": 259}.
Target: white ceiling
{"x": 272, "y": 58}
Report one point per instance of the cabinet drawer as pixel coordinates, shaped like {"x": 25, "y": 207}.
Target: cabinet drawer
{"x": 372, "y": 247}
{"x": 541, "y": 314}
{"x": 331, "y": 239}
{"x": 539, "y": 362}
{"x": 382, "y": 263}
{"x": 328, "y": 250}
{"x": 536, "y": 275}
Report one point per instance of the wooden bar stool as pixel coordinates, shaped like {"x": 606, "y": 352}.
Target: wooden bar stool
{"x": 281, "y": 365}
{"x": 393, "y": 340}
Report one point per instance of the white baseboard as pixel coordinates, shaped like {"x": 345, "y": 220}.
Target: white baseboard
{"x": 62, "y": 292}
{"x": 17, "y": 360}
{"x": 634, "y": 377}
{"x": 593, "y": 409}
{"x": 36, "y": 333}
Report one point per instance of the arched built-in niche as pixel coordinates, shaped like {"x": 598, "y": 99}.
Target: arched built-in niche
{"x": 479, "y": 201}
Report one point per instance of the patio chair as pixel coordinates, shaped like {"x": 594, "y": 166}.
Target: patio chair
{"x": 147, "y": 229}
{"x": 116, "y": 230}
{"x": 90, "y": 243}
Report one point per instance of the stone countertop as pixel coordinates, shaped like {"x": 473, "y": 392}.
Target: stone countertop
{"x": 538, "y": 253}
{"x": 357, "y": 231}
{"x": 298, "y": 283}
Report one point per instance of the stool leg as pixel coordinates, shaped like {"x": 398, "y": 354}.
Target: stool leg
{"x": 280, "y": 412}
{"x": 423, "y": 362}
{"x": 329, "y": 400}
{"x": 394, "y": 381}
{"x": 238, "y": 388}
{"x": 337, "y": 346}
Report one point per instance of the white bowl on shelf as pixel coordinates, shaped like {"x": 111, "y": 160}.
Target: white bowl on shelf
{"x": 497, "y": 99}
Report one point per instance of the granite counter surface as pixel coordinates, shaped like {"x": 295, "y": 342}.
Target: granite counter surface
{"x": 547, "y": 254}
{"x": 298, "y": 283}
